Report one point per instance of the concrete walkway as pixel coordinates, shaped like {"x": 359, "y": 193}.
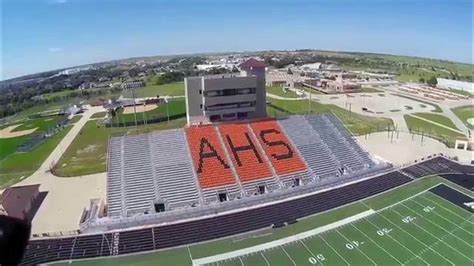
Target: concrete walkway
{"x": 67, "y": 196}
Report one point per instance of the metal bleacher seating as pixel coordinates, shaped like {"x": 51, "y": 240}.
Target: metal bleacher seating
{"x": 139, "y": 188}
{"x": 173, "y": 170}
{"x": 314, "y": 151}
{"x": 347, "y": 152}
{"x": 177, "y": 234}
{"x": 149, "y": 167}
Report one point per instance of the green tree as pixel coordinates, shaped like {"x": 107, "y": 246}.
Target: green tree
{"x": 432, "y": 81}
{"x": 422, "y": 80}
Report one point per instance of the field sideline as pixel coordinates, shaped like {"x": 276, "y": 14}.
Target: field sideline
{"x": 385, "y": 205}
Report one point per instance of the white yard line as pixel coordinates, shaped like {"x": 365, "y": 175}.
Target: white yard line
{"x": 448, "y": 233}
{"x": 280, "y": 242}
{"x": 310, "y": 252}
{"x": 288, "y": 255}
{"x": 358, "y": 249}
{"x": 333, "y": 249}
{"x": 398, "y": 242}
{"x": 370, "y": 239}
{"x": 423, "y": 243}
{"x": 264, "y": 258}
{"x": 449, "y": 221}
{"x": 444, "y": 208}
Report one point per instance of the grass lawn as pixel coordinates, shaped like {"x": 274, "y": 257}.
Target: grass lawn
{"x": 175, "y": 107}
{"x": 277, "y": 90}
{"x": 183, "y": 255}
{"x": 75, "y": 119}
{"x": 87, "y": 153}
{"x": 464, "y": 113}
{"x": 436, "y": 110}
{"x": 8, "y": 145}
{"x": 461, "y": 92}
{"x": 151, "y": 90}
{"x": 418, "y": 126}
{"x": 440, "y": 119}
{"x": 98, "y": 115}
{"x": 24, "y": 163}
{"x": 356, "y": 123}
{"x": 371, "y": 89}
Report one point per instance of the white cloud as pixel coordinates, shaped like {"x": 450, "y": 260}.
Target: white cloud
{"x": 54, "y": 49}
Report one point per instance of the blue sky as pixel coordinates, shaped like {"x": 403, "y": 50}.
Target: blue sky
{"x": 39, "y": 35}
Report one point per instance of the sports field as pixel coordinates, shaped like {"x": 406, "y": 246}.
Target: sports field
{"x": 464, "y": 113}
{"x": 425, "y": 229}
{"x": 407, "y": 225}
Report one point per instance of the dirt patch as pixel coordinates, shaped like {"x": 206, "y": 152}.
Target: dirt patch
{"x": 9, "y": 133}
{"x": 88, "y": 149}
{"x": 139, "y": 108}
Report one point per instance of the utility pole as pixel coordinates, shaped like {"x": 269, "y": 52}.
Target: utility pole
{"x": 167, "y": 110}
{"x": 134, "y": 109}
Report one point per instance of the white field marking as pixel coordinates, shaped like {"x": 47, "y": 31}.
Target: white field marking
{"x": 449, "y": 221}
{"x": 442, "y": 207}
{"x": 381, "y": 215}
{"x": 448, "y": 232}
{"x": 400, "y": 244}
{"x": 282, "y": 241}
{"x": 306, "y": 247}
{"x": 189, "y": 253}
{"x": 358, "y": 248}
{"x": 370, "y": 239}
{"x": 409, "y": 198}
{"x": 446, "y": 209}
{"x": 241, "y": 261}
{"x": 433, "y": 244}
{"x": 288, "y": 255}
{"x": 333, "y": 249}
{"x": 423, "y": 242}
{"x": 263, "y": 256}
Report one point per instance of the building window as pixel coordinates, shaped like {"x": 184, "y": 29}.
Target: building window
{"x": 200, "y": 106}
{"x": 200, "y": 91}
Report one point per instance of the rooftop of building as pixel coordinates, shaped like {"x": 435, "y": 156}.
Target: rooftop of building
{"x": 252, "y": 63}
{"x": 18, "y": 197}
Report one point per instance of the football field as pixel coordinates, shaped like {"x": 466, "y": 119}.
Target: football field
{"x": 422, "y": 230}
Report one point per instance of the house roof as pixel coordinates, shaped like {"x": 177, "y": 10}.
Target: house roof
{"x": 15, "y": 199}
{"x": 251, "y": 63}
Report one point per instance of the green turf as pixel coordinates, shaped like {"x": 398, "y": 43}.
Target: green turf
{"x": 464, "y": 113}
{"x": 98, "y": 115}
{"x": 87, "y": 152}
{"x": 173, "y": 107}
{"x": 436, "y": 110}
{"x": 413, "y": 231}
{"x": 277, "y": 90}
{"x": 23, "y": 164}
{"x": 419, "y": 126}
{"x": 356, "y": 123}
{"x": 440, "y": 119}
{"x": 275, "y": 255}
{"x": 152, "y": 90}
{"x": 462, "y": 92}
{"x": 75, "y": 119}
{"x": 8, "y": 146}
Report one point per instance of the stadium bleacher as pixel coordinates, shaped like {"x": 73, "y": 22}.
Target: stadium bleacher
{"x": 283, "y": 156}
{"x": 84, "y": 246}
{"x": 173, "y": 170}
{"x": 245, "y": 153}
{"x": 210, "y": 162}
